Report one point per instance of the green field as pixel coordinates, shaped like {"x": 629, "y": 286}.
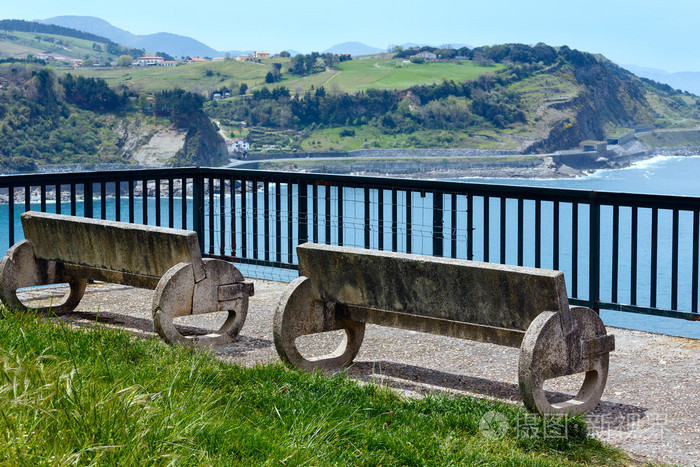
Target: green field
{"x": 378, "y": 72}
{"x": 210, "y": 76}
{"x": 385, "y": 73}
{"x": 368, "y": 137}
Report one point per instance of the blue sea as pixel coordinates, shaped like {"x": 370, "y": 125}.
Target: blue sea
{"x": 658, "y": 175}
{"x": 671, "y": 175}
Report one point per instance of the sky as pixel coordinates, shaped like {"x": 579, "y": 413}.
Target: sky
{"x": 646, "y": 33}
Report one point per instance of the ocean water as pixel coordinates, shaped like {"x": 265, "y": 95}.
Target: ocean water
{"x": 659, "y": 175}
{"x": 670, "y": 175}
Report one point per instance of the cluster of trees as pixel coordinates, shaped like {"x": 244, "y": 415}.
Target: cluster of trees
{"x": 32, "y": 60}
{"x": 92, "y": 94}
{"x": 181, "y": 107}
{"x": 166, "y": 56}
{"x": 503, "y": 53}
{"x": 117, "y": 50}
{"x": 303, "y": 65}
{"x": 275, "y": 74}
{"x": 308, "y": 64}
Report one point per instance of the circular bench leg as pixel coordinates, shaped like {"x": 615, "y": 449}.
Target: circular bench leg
{"x": 546, "y": 353}
{"x": 221, "y": 272}
{"x": 297, "y": 314}
{"x": 19, "y": 269}
{"x": 175, "y": 294}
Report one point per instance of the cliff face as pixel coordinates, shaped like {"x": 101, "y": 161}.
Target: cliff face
{"x": 203, "y": 145}
{"x": 607, "y": 95}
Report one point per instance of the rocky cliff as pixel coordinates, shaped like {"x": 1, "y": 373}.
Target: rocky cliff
{"x": 203, "y": 145}
{"x": 608, "y": 96}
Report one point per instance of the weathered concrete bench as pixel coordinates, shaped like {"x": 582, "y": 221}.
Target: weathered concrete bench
{"x": 345, "y": 288}
{"x": 66, "y": 249}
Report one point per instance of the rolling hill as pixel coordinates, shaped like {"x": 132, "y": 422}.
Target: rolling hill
{"x": 173, "y": 44}
{"x": 376, "y": 72}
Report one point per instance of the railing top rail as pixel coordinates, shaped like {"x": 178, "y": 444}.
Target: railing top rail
{"x": 87, "y": 176}
{"x": 477, "y": 189}
{"x": 416, "y": 185}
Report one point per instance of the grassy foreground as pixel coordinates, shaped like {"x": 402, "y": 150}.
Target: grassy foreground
{"x": 100, "y": 396}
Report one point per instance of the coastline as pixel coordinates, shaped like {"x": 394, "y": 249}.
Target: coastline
{"x": 397, "y": 163}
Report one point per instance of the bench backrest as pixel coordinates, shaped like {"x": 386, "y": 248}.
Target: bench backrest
{"x": 458, "y": 290}
{"x": 115, "y": 251}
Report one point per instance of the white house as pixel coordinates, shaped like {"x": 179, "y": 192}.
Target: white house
{"x": 237, "y": 145}
{"x": 426, "y": 55}
{"x": 149, "y": 61}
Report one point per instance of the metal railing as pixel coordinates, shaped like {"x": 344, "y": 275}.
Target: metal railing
{"x": 627, "y": 252}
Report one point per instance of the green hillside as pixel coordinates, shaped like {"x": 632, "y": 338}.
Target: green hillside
{"x": 533, "y": 99}
{"x": 531, "y": 107}
{"x": 375, "y": 72}
{"x": 21, "y": 39}
{"x": 50, "y": 120}
{"x": 22, "y": 44}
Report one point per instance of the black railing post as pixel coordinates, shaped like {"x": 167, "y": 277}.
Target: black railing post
{"x": 87, "y": 196}
{"x": 144, "y": 201}
{"x": 198, "y": 206}
{"x": 367, "y": 223}
{"x": 43, "y": 198}
{"x": 437, "y": 224}
{"x": 11, "y": 215}
{"x": 594, "y": 259}
{"x": 303, "y": 209}
{"x": 27, "y": 198}
{"x": 470, "y": 227}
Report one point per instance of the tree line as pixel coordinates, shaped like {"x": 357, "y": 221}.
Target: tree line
{"x": 502, "y": 53}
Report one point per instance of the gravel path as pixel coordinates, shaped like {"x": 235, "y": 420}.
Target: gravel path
{"x": 650, "y": 407}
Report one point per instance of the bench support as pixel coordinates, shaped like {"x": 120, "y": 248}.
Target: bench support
{"x": 222, "y": 289}
{"x": 20, "y": 269}
{"x": 298, "y": 314}
{"x": 213, "y": 285}
{"x": 547, "y": 353}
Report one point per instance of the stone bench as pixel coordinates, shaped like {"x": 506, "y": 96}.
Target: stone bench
{"x": 67, "y": 249}
{"x": 344, "y": 288}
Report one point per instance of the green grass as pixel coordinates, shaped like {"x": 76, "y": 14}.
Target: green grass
{"x": 384, "y": 73}
{"x": 350, "y": 76}
{"x": 369, "y": 137}
{"x": 100, "y": 396}
{"x": 208, "y": 76}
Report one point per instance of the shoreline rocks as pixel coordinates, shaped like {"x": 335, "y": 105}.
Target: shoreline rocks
{"x": 561, "y": 165}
